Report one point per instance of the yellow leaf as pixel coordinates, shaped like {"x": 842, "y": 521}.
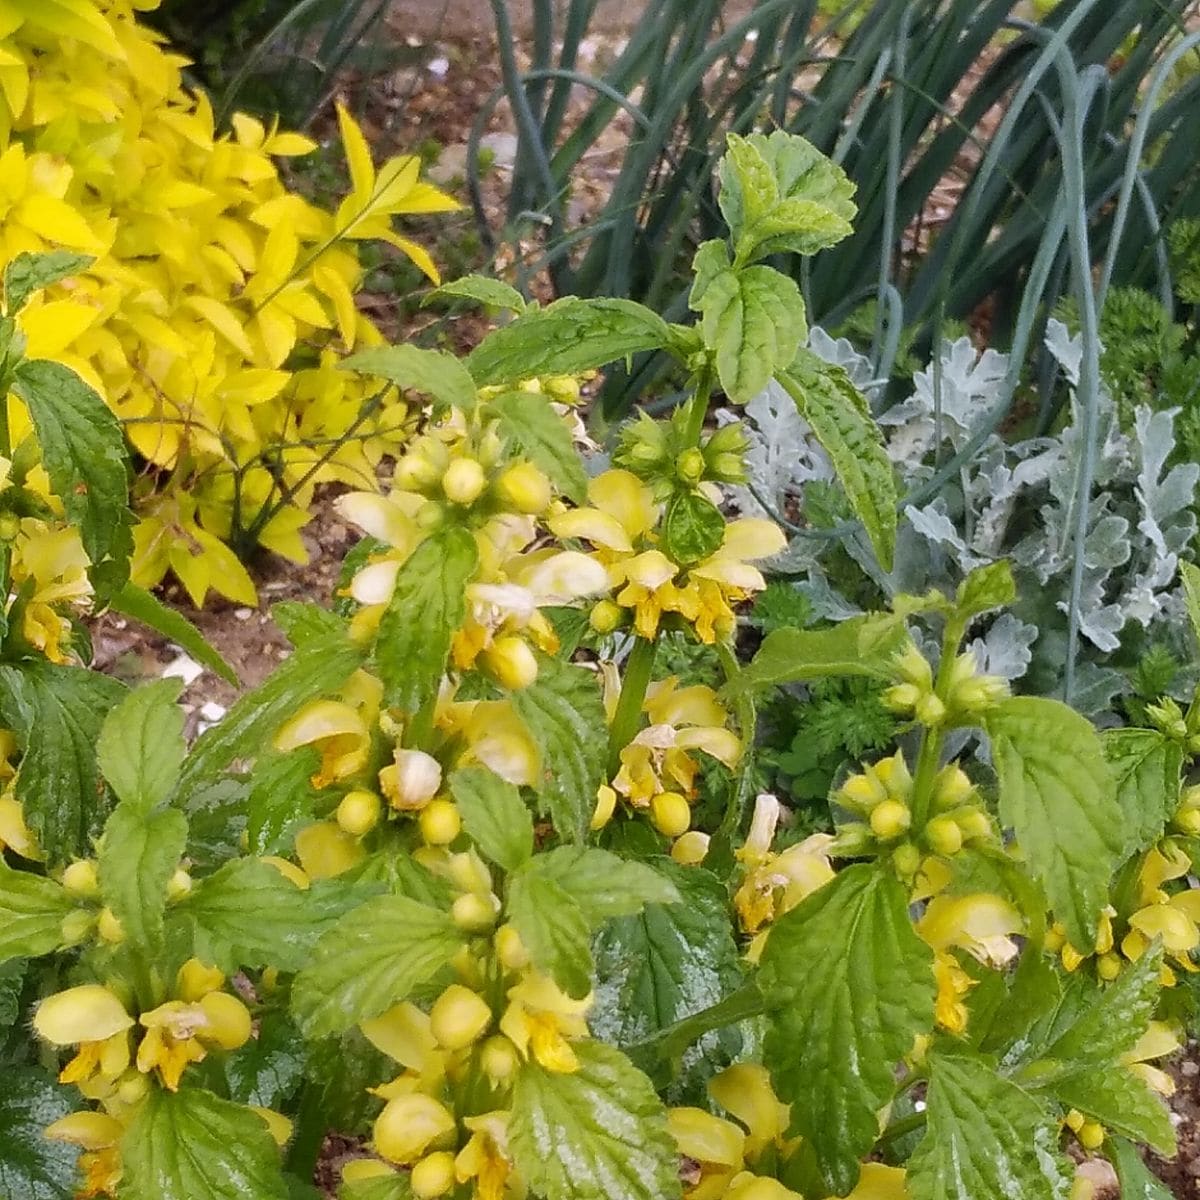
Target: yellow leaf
{"x": 51, "y": 327}
{"x": 191, "y": 569}
{"x": 289, "y": 145}
{"x": 278, "y": 333}
{"x": 358, "y": 156}
{"x": 331, "y": 285}
{"x": 418, "y": 254}
{"x": 425, "y": 198}
{"x": 71, "y": 18}
{"x": 57, "y": 221}
{"x": 226, "y": 573}
{"x": 224, "y": 320}
{"x": 282, "y": 534}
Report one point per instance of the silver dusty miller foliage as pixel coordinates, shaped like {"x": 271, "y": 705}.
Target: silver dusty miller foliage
{"x": 1014, "y": 500}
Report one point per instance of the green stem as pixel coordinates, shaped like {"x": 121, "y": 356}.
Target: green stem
{"x": 628, "y": 716}
{"x": 930, "y": 755}
{"x": 898, "y": 1129}
{"x": 698, "y": 408}
{"x": 747, "y": 719}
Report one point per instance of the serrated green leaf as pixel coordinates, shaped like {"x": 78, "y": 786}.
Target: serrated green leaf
{"x": 599, "y": 1133}
{"x": 753, "y": 319}
{"x": 1146, "y": 768}
{"x": 1057, "y": 794}
{"x": 248, "y": 914}
{"x": 1033, "y": 991}
{"x": 494, "y": 816}
{"x": 83, "y": 451}
{"x": 373, "y": 958}
{"x": 32, "y": 1167}
{"x": 31, "y": 272}
{"x": 860, "y": 646}
{"x": 269, "y": 1069}
{"x": 314, "y": 670}
{"x": 603, "y": 884}
{"x": 1132, "y": 1173}
{"x": 828, "y": 400}
{"x": 1189, "y": 576}
{"x": 564, "y": 712}
{"x": 32, "y": 910}
{"x": 530, "y": 421}
{"x": 553, "y": 929}
{"x": 427, "y": 606}
{"x": 987, "y": 587}
{"x": 143, "y": 606}
{"x": 12, "y": 981}
{"x": 281, "y": 799}
{"x": 56, "y": 713}
{"x": 849, "y": 985}
{"x": 779, "y": 193}
{"x": 692, "y": 528}
{"x": 192, "y": 1145}
{"x": 1121, "y": 1102}
{"x": 436, "y": 373}
{"x": 141, "y": 748}
{"x": 985, "y": 1137}
{"x": 568, "y": 337}
{"x": 138, "y": 856}
{"x": 381, "y": 1187}
{"x": 303, "y": 622}
{"x": 481, "y": 288}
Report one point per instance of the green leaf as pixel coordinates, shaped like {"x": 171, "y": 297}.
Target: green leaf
{"x": 864, "y": 645}
{"x": 281, "y": 799}
{"x": 1122, "y": 1102}
{"x": 32, "y": 1167}
{"x": 141, "y": 605}
{"x": 1056, "y": 793}
{"x": 32, "y": 910}
{"x": 987, "y": 587}
{"x": 30, "y": 272}
{"x": 314, "y": 670}
{"x": 248, "y": 914}
{"x": 491, "y": 292}
{"x": 1033, "y": 991}
{"x": 12, "y": 982}
{"x": 426, "y": 608}
{"x": 553, "y": 929}
{"x": 986, "y": 1137}
{"x": 83, "y": 451}
{"x": 141, "y": 747}
{"x": 693, "y": 528}
{"x": 564, "y": 712}
{"x": 138, "y": 856}
{"x": 373, "y": 958}
{"x": 668, "y": 962}
{"x": 807, "y": 205}
{"x": 828, "y": 400}
{"x": 568, "y": 337}
{"x": 530, "y": 421}
{"x": 1189, "y": 576}
{"x": 1132, "y": 1173}
{"x": 381, "y": 1187}
{"x": 303, "y": 622}
{"x": 599, "y": 1133}
{"x": 753, "y": 318}
{"x": 269, "y": 1069}
{"x": 56, "y": 712}
{"x": 494, "y": 816}
{"x": 1146, "y": 767}
{"x": 850, "y": 986}
{"x": 436, "y": 373}
{"x": 603, "y": 884}
{"x": 191, "y": 1145}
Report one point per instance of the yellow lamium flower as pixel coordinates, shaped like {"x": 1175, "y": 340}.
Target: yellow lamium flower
{"x": 98, "y": 1136}
{"x": 484, "y": 1160}
{"x": 340, "y": 729}
{"x": 745, "y": 1091}
{"x": 404, "y": 1033}
{"x": 1175, "y": 918}
{"x": 1159, "y": 1041}
{"x": 541, "y": 1021}
{"x": 715, "y": 1150}
{"x": 51, "y": 563}
{"x": 15, "y": 835}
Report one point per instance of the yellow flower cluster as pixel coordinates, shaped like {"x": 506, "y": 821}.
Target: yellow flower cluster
{"x": 477, "y": 1032}
{"x": 208, "y": 274}
{"x": 622, "y": 524}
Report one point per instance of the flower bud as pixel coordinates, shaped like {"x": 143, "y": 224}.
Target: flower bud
{"x": 606, "y": 805}
{"x": 979, "y": 693}
{"x": 179, "y": 885}
{"x": 359, "y": 812}
{"x": 430, "y": 516}
{"x": 524, "y": 489}
{"x": 76, "y": 926}
{"x": 670, "y": 813}
{"x": 409, "y": 1125}
{"x": 196, "y": 979}
{"x": 89, "y": 1013}
{"x": 459, "y": 1017}
{"x": 725, "y": 454}
{"x": 690, "y": 848}
{"x": 907, "y": 859}
{"x": 689, "y": 466}
{"x": 418, "y": 470}
{"x": 974, "y": 823}
{"x": 1109, "y": 966}
{"x": 228, "y": 1020}
{"x": 1187, "y": 820}
{"x": 510, "y": 662}
{"x": 10, "y": 526}
{"x": 412, "y": 780}
{"x": 433, "y": 1176}
{"x": 440, "y": 822}
{"x": 862, "y": 792}
{"x": 109, "y": 927}
{"x": 510, "y": 950}
{"x": 902, "y": 698}
{"x": 929, "y": 710}
{"x": 1091, "y": 1135}
{"x": 944, "y": 835}
{"x": 913, "y": 667}
{"x": 893, "y": 773}
{"x": 605, "y": 616}
{"x": 563, "y": 388}
{"x": 499, "y": 1059}
{"x": 79, "y": 879}
{"x": 279, "y": 1127}
{"x": 474, "y": 913}
{"x": 890, "y": 819}
{"x": 133, "y": 1089}
{"x": 464, "y": 481}
{"x": 326, "y": 850}
{"x": 852, "y": 840}
{"x": 951, "y": 787}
